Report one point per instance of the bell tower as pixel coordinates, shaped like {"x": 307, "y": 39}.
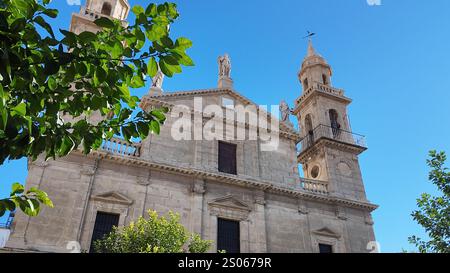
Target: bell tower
{"x": 94, "y": 9}
{"x": 328, "y": 149}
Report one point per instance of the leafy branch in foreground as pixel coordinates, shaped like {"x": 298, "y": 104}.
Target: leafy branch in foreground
{"x": 153, "y": 235}
{"x": 28, "y": 201}
{"x": 434, "y": 212}
{"x": 50, "y": 87}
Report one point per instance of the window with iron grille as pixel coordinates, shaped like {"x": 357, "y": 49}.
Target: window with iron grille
{"x": 104, "y": 223}
{"x": 227, "y": 157}
{"x": 323, "y": 248}
{"x": 228, "y": 237}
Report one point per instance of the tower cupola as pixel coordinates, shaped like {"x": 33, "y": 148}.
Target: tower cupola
{"x": 314, "y": 69}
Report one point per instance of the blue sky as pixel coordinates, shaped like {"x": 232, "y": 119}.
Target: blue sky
{"x": 392, "y": 60}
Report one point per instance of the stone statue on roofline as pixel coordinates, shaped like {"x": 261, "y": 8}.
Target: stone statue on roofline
{"x": 157, "y": 82}
{"x": 224, "y": 66}
{"x": 285, "y": 112}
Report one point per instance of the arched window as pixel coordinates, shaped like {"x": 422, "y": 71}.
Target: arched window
{"x": 335, "y": 126}
{"x": 106, "y": 9}
{"x": 309, "y": 130}
{"x": 324, "y": 79}
{"x": 305, "y": 84}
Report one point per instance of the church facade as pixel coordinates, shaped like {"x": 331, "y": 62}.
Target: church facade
{"x": 244, "y": 195}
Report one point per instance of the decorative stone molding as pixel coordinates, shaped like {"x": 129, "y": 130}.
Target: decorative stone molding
{"x": 340, "y": 213}
{"x": 302, "y": 207}
{"x": 198, "y": 187}
{"x": 114, "y": 198}
{"x": 229, "y": 207}
{"x": 260, "y": 200}
{"x": 41, "y": 164}
{"x": 326, "y": 232}
{"x": 252, "y": 183}
{"x": 88, "y": 170}
{"x": 368, "y": 219}
{"x": 144, "y": 181}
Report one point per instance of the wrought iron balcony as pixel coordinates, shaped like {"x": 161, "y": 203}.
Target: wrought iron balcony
{"x": 327, "y": 132}
{"x": 121, "y": 147}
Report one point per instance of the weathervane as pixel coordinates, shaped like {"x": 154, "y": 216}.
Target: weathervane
{"x": 310, "y": 34}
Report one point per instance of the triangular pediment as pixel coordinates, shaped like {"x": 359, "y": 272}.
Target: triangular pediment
{"x": 231, "y": 93}
{"x": 230, "y": 201}
{"x": 113, "y": 197}
{"x": 325, "y": 231}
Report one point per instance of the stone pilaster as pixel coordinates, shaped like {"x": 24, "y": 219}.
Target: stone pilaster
{"x": 258, "y": 240}
{"x": 18, "y": 238}
{"x": 198, "y": 191}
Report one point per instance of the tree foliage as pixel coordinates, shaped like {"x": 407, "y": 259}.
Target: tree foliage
{"x": 153, "y": 235}
{"x": 434, "y": 212}
{"x": 50, "y": 86}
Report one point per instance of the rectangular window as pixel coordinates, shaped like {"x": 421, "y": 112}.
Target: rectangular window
{"x": 104, "y": 223}
{"x": 228, "y": 237}
{"x": 227, "y": 158}
{"x": 228, "y": 103}
{"x": 323, "y": 248}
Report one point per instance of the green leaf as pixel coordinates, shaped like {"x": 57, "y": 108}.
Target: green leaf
{"x": 151, "y": 10}
{"x": 104, "y": 22}
{"x": 125, "y": 92}
{"x": 9, "y": 204}
{"x": 143, "y": 129}
{"x": 44, "y": 25}
{"x": 183, "y": 43}
{"x": 155, "y": 32}
{"x": 99, "y": 76}
{"x": 137, "y": 9}
{"x": 87, "y": 37}
{"x": 52, "y": 13}
{"x": 52, "y": 83}
{"x": 167, "y": 42}
{"x": 20, "y": 109}
{"x": 165, "y": 68}
{"x": 51, "y": 68}
{"x": 67, "y": 146}
{"x": 17, "y": 188}
{"x": 158, "y": 114}
{"x": 137, "y": 82}
{"x": 70, "y": 37}
{"x": 152, "y": 67}
{"x": 156, "y": 128}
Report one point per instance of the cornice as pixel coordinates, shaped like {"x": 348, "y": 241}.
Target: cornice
{"x": 324, "y": 142}
{"x": 263, "y": 185}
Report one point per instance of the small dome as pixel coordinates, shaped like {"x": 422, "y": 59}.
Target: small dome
{"x": 312, "y": 59}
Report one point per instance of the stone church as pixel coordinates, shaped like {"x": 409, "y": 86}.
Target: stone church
{"x": 234, "y": 192}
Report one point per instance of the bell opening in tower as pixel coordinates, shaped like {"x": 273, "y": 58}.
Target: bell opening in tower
{"x": 106, "y": 9}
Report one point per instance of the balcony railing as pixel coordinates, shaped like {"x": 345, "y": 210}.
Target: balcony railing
{"x": 317, "y": 86}
{"x": 121, "y": 147}
{"x": 314, "y": 186}
{"x": 94, "y": 15}
{"x": 327, "y": 132}
{"x": 9, "y": 221}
